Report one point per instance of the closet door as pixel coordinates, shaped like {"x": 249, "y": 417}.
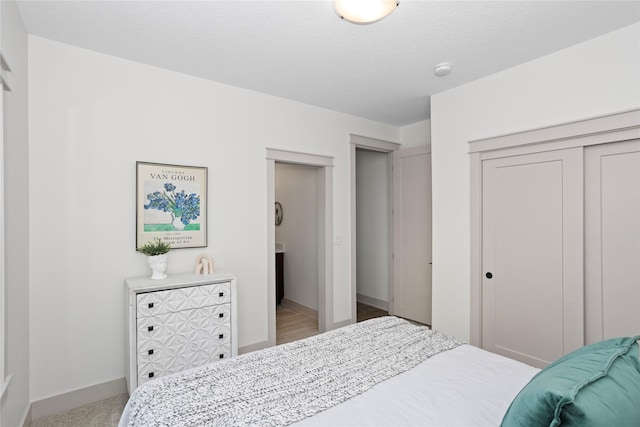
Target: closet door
{"x": 532, "y": 255}
{"x": 612, "y": 239}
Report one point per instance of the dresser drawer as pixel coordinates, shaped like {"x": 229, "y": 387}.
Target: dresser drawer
{"x": 177, "y": 329}
{"x": 179, "y": 299}
{"x": 169, "y": 361}
{"x": 154, "y": 350}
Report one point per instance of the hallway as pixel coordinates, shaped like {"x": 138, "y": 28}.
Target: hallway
{"x": 292, "y": 326}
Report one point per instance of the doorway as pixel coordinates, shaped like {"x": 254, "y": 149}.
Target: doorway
{"x": 369, "y": 157}
{"x": 297, "y": 231}
{"x": 323, "y": 167}
{"x": 408, "y": 208}
{"x": 373, "y": 234}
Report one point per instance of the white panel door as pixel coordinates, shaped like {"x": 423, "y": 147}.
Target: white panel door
{"x": 412, "y": 234}
{"x": 612, "y": 239}
{"x": 532, "y": 298}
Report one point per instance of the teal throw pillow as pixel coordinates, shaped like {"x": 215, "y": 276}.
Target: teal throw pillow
{"x": 596, "y": 385}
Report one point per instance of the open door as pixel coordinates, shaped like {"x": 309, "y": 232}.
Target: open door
{"x": 412, "y": 234}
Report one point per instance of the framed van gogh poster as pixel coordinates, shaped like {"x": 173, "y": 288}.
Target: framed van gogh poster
{"x": 171, "y": 204}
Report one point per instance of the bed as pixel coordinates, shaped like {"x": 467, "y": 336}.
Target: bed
{"x": 382, "y": 372}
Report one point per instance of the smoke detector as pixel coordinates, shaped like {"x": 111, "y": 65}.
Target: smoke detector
{"x": 442, "y": 69}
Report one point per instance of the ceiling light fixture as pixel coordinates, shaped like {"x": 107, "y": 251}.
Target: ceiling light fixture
{"x": 364, "y": 11}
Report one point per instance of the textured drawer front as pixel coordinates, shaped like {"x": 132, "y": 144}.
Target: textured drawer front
{"x": 173, "y": 300}
{"x": 183, "y": 327}
{"x": 169, "y": 361}
{"x": 221, "y": 340}
{"x": 175, "y": 341}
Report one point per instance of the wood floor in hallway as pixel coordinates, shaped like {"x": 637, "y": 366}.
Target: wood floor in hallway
{"x": 366, "y": 312}
{"x": 292, "y": 325}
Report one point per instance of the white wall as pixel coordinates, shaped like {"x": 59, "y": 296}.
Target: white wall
{"x": 91, "y": 116}
{"x": 372, "y": 224}
{"x": 593, "y": 78}
{"x": 16, "y": 194}
{"x": 296, "y": 188}
{"x": 416, "y": 134}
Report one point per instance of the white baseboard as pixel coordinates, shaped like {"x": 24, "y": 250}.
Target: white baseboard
{"x": 342, "y": 323}
{"x": 26, "y": 418}
{"x": 302, "y": 309}
{"x": 373, "y": 302}
{"x": 253, "y": 347}
{"x": 73, "y": 399}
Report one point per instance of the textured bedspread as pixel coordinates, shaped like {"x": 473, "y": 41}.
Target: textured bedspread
{"x": 284, "y": 384}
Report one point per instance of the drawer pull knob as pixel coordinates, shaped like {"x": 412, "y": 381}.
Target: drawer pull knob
{"x": 221, "y": 315}
{"x": 150, "y": 305}
{"x": 150, "y": 352}
{"x": 150, "y": 374}
{"x": 222, "y": 356}
{"x": 221, "y": 294}
{"x": 150, "y": 328}
{"x": 221, "y": 336}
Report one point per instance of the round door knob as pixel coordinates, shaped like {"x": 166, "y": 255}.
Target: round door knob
{"x": 489, "y": 275}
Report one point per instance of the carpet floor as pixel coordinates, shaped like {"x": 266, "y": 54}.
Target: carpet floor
{"x": 105, "y": 413}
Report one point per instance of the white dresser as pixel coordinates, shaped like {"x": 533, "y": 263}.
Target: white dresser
{"x": 178, "y": 323}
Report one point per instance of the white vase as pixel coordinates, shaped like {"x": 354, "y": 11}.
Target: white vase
{"x": 158, "y": 264}
{"x": 177, "y": 223}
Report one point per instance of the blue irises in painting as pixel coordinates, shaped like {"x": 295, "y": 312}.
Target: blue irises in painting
{"x": 182, "y": 206}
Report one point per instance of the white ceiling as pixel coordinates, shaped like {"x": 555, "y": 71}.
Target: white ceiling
{"x": 302, "y": 51}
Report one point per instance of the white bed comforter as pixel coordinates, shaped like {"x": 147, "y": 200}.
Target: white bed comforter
{"x": 281, "y": 385}
{"x": 464, "y": 386}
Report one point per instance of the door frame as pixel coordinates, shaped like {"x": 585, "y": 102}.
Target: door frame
{"x": 325, "y": 245}
{"x": 372, "y": 144}
{"x": 603, "y": 129}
